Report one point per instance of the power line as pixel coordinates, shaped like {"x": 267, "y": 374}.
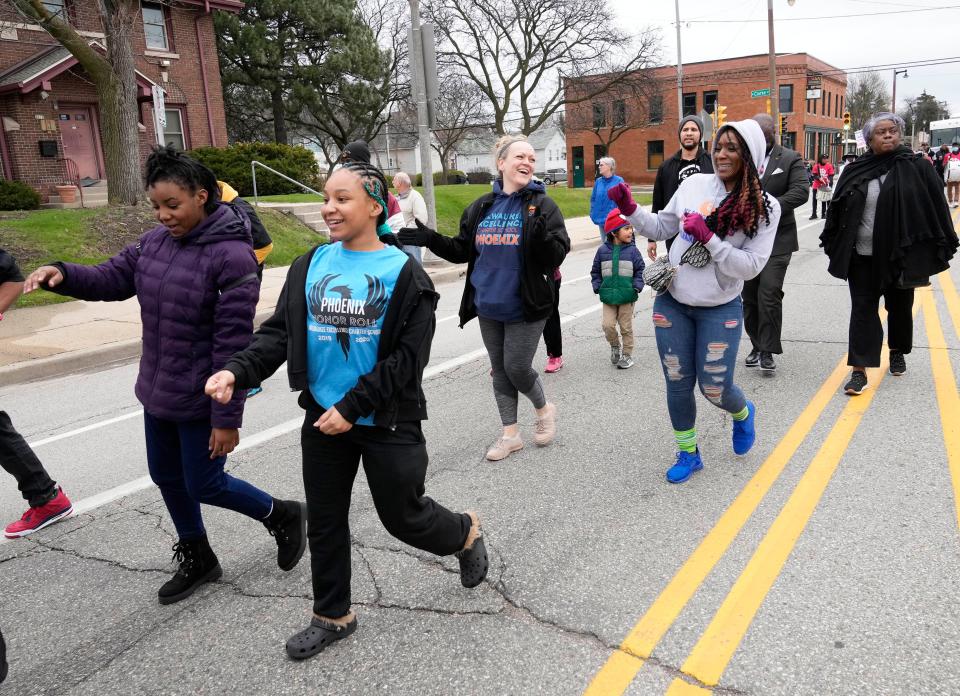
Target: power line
{"x": 812, "y": 19}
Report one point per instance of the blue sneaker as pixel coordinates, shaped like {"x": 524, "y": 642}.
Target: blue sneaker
{"x": 744, "y": 434}
{"x": 687, "y": 463}
{"x": 253, "y": 391}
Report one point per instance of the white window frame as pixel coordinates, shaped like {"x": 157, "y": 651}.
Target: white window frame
{"x": 163, "y": 25}
{"x": 181, "y": 133}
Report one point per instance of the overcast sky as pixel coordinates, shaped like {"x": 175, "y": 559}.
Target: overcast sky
{"x": 842, "y": 42}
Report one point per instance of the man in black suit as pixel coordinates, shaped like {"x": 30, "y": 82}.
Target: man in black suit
{"x": 784, "y": 177}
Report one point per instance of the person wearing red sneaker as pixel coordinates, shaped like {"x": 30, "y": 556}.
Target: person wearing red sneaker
{"x": 47, "y": 502}
{"x": 551, "y": 330}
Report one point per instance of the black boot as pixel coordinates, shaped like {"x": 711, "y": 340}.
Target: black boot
{"x": 287, "y": 522}
{"x": 198, "y": 564}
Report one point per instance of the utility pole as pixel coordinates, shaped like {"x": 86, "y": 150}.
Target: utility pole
{"x": 423, "y": 125}
{"x": 893, "y": 104}
{"x": 774, "y": 91}
{"x": 679, "y": 67}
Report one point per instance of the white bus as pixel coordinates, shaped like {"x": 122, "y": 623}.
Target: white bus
{"x": 946, "y": 131}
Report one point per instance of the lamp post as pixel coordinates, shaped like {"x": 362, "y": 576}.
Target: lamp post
{"x": 679, "y": 68}
{"x": 423, "y": 127}
{"x": 774, "y": 91}
{"x": 893, "y": 105}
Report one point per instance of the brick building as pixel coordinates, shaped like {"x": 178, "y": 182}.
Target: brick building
{"x": 648, "y": 131}
{"x": 49, "y": 114}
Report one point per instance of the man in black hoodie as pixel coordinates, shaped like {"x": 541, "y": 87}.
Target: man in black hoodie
{"x": 690, "y": 159}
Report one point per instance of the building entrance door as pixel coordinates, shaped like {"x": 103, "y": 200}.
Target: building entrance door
{"x": 578, "y": 167}
{"x": 79, "y": 144}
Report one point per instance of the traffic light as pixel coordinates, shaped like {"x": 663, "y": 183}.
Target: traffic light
{"x": 783, "y": 124}
{"x": 721, "y": 115}
{"x": 846, "y": 120}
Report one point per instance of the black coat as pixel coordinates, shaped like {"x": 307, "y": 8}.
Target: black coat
{"x": 667, "y": 181}
{"x": 392, "y": 390}
{"x": 544, "y": 244}
{"x": 785, "y": 178}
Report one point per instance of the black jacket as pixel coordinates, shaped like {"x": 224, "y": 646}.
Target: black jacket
{"x": 544, "y": 243}
{"x": 392, "y": 390}
{"x": 785, "y": 178}
{"x": 668, "y": 177}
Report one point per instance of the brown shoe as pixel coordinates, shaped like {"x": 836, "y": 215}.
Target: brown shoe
{"x": 504, "y": 447}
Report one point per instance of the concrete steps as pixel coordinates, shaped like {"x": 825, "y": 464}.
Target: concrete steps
{"x": 93, "y": 197}
{"x": 307, "y": 213}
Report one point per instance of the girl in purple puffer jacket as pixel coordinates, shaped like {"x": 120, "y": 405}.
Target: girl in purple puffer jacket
{"x": 195, "y": 277}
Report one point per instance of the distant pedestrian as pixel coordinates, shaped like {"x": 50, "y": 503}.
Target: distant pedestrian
{"x": 822, "y": 173}
{"x": 412, "y": 208}
{"x": 951, "y": 174}
{"x": 617, "y": 277}
{"x": 359, "y": 151}
{"x": 698, "y": 319}
{"x": 354, "y": 326}
{"x": 938, "y": 159}
{"x": 888, "y": 232}
{"x": 47, "y": 501}
{"x": 844, "y": 161}
{"x": 195, "y": 277}
{"x": 600, "y": 205}
{"x": 552, "y": 335}
{"x": 511, "y": 239}
{"x": 784, "y": 177}
{"x": 690, "y": 159}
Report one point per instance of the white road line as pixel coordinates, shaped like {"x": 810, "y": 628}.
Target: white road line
{"x": 144, "y": 482}
{"x": 85, "y": 429}
{"x": 565, "y": 283}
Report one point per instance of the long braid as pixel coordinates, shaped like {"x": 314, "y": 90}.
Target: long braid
{"x": 742, "y": 208}
{"x": 375, "y": 184}
{"x": 167, "y": 164}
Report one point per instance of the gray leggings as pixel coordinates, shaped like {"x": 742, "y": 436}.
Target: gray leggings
{"x": 511, "y": 348}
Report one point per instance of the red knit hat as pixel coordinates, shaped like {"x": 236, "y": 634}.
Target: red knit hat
{"x": 615, "y": 220}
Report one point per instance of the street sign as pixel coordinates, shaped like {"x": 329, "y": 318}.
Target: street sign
{"x": 757, "y": 93}
{"x": 707, "y": 119}
{"x": 861, "y": 143}
{"x": 814, "y": 93}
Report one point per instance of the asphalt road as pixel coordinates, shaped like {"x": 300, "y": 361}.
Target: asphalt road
{"x": 823, "y": 562}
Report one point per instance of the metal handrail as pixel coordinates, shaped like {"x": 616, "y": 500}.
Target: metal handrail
{"x": 253, "y": 171}
{"x": 73, "y": 175}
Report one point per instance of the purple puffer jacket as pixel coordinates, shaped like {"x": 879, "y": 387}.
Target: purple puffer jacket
{"x": 197, "y": 295}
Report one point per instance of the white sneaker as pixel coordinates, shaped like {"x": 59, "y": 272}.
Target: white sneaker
{"x": 504, "y": 447}
{"x": 545, "y": 427}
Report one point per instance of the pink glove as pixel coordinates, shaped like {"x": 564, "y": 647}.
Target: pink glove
{"x": 696, "y": 227}
{"x": 620, "y": 194}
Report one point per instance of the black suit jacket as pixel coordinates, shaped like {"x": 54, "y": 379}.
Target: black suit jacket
{"x": 785, "y": 178}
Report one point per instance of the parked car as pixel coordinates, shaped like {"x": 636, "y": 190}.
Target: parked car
{"x": 554, "y": 176}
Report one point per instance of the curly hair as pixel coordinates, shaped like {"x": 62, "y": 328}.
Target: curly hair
{"x": 746, "y": 204}
{"x": 167, "y": 164}
{"x": 375, "y": 184}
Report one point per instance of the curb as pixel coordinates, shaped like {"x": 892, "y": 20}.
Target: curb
{"x": 120, "y": 351}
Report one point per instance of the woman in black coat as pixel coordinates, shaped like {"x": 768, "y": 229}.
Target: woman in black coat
{"x": 888, "y": 230}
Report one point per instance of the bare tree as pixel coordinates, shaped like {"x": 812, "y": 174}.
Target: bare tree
{"x": 114, "y": 78}
{"x": 866, "y": 95}
{"x": 633, "y": 103}
{"x": 459, "y": 107}
{"x": 518, "y": 52}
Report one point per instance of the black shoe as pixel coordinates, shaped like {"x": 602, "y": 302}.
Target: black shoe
{"x": 897, "y": 364}
{"x": 857, "y": 383}
{"x": 287, "y": 523}
{"x": 198, "y": 564}
{"x": 813, "y": 217}
{"x": 767, "y": 365}
{"x": 317, "y": 637}
{"x": 753, "y": 359}
{"x": 3, "y": 658}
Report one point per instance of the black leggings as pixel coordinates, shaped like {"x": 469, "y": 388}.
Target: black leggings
{"x": 866, "y": 329}
{"x": 551, "y": 330}
{"x": 395, "y": 462}
{"x": 823, "y": 205}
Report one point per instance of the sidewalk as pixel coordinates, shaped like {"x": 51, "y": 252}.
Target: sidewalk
{"x": 42, "y": 342}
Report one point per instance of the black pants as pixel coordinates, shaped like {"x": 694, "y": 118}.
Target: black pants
{"x": 18, "y": 459}
{"x": 551, "y": 330}
{"x": 866, "y": 329}
{"x": 395, "y": 463}
{"x": 823, "y": 205}
{"x": 763, "y": 305}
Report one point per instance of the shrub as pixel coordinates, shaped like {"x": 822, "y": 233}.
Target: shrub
{"x": 232, "y": 165}
{"x": 480, "y": 176}
{"x": 16, "y": 195}
{"x": 452, "y": 175}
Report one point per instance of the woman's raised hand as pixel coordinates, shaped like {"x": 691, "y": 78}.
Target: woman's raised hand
{"x": 45, "y": 276}
{"x": 622, "y": 196}
{"x": 220, "y": 386}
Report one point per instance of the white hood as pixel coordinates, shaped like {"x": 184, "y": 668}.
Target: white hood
{"x": 750, "y": 131}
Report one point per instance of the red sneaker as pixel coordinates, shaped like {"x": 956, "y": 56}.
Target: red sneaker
{"x": 39, "y": 517}
{"x": 554, "y": 364}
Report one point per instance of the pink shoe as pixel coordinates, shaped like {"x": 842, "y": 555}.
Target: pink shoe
{"x": 554, "y": 363}
{"x": 39, "y": 517}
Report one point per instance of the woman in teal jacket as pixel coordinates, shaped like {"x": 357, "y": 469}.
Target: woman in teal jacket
{"x": 600, "y": 205}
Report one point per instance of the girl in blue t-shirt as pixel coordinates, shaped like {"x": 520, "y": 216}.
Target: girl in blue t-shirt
{"x": 354, "y": 324}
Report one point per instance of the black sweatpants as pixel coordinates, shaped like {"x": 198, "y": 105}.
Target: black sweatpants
{"x": 866, "y": 329}
{"x": 763, "y": 305}
{"x": 395, "y": 462}
{"x": 18, "y": 459}
{"x": 551, "y": 330}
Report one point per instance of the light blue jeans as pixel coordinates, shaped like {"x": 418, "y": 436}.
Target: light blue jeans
{"x": 698, "y": 345}
{"x": 413, "y": 251}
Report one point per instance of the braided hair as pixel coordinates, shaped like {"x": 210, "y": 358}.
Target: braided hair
{"x": 375, "y": 184}
{"x": 746, "y": 204}
{"x": 167, "y": 164}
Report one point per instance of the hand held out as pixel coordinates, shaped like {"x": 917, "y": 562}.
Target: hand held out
{"x": 43, "y": 277}
{"x": 220, "y": 386}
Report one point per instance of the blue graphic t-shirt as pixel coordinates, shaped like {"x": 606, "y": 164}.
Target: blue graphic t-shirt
{"x": 496, "y": 272}
{"x": 347, "y": 297}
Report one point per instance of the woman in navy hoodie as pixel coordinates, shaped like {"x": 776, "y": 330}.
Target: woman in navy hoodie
{"x": 195, "y": 277}
{"x": 512, "y": 240}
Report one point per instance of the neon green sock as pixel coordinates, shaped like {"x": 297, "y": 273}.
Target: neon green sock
{"x": 741, "y": 415}
{"x": 686, "y": 440}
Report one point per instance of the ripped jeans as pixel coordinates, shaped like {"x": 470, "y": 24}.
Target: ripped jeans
{"x": 698, "y": 344}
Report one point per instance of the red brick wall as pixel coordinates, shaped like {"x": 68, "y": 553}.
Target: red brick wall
{"x": 733, "y": 79}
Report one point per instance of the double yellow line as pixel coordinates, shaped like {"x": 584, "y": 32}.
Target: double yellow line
{"x": 712, "y": 653}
